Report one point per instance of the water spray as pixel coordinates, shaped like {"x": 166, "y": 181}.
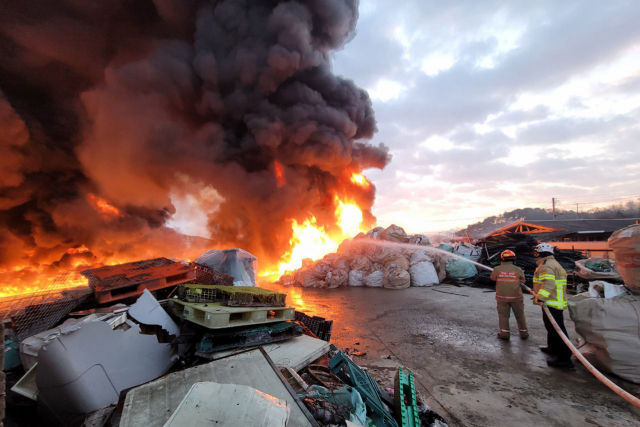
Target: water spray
{"x": 606, "y": 381}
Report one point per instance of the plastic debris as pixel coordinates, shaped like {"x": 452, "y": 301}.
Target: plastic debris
{"x": 237, "y": 263}
{"x": 232, "y": 296}
{"x": 351, "y": 374}
{"x": 229, "y": 405}
{"x": 248, "y": 337}
{"x": 344, "y": 404}
{"x": 404, "y": 399}
{"x": 84, "y": 370}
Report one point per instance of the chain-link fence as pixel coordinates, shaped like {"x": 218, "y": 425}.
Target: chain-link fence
{"x": 36, "y": 312}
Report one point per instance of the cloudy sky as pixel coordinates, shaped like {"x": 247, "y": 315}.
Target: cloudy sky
{"x": 489, "y": 106}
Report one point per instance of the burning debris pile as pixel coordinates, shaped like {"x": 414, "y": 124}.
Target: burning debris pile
{"x": 104, "y": 364}
{"x": 116, "y": 116}
{"x": 386, "y": 258}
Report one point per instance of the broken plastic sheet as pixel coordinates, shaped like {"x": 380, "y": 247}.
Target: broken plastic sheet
{"x": 237, "y": 263}
{"x": 86, "y": 369}
{"x": 228, "y": 405}
{"x": 345, "y": 396}
{"x": 30, "y": 347}
{"x": 152, "y": 404}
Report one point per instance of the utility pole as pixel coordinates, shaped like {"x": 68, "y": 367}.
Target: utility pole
{"x": 577, "y": 210}
{"x": 553, "y": 204}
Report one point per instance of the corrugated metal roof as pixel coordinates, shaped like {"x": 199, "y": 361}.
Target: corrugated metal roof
{"x": 550, "y": 229}
{"x": 582, "y": 225}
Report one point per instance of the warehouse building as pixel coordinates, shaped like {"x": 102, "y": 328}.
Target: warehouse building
{"x": 585, "y": 235}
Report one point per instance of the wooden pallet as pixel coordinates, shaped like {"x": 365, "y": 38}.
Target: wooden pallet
{"x": 217, "y": 316}
{"x": 108, "y": 295}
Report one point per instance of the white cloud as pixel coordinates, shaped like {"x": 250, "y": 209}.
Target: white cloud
{"x": 475, "y": 100}
{"x": 434, "y": 64}
{"x": 386, "y": 90}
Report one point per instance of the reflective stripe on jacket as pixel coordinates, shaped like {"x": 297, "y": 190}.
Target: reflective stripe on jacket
{"x": 550, "y": 283}
{"x": 508, "y": 278}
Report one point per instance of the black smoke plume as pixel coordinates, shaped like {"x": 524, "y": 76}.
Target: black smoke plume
{"x": 124, "y": 104}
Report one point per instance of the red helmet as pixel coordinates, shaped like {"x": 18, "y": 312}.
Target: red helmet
{"x": 507, "y": 255}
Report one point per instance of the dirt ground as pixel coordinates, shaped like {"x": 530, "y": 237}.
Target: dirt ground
{"x": 447, "y": 336}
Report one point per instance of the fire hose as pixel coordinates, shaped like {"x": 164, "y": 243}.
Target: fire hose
{"x": 606, "y": 381}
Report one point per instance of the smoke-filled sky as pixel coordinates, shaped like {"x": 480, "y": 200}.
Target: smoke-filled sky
{"x": 489, "y": 106}
{"x": 119, "y": 118}
{"x": 115, "y": 114}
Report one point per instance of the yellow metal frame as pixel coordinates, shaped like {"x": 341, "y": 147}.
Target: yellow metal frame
{"x": 522, "y": 227}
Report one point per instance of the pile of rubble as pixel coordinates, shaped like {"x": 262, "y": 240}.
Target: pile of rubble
{"x": 523, "y": 245}
{"x": 375, "y": 260}
{"x": 164, "y": 343}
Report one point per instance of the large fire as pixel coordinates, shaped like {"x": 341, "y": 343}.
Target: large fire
{"x": 311, "y": 241}
{"x": 360, "y": 180}
{"x": 102, "y": 206}
{"x": 182, "y": 111}
{"x": 41, "y": 281}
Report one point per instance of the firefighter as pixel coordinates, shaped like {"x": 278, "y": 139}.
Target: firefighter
{"x": 550, "y": 289}
{"x": 508, "y": 278}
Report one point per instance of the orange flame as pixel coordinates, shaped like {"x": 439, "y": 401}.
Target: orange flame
{"x": 349, "y": 218}
{"x": 308, "y": 241}
{"x": 311, "y": 241}
{"x": 279, "y": 174}
{"x": 104, "y": 207}
{"x": 360, "y": 180}
{"x": 41, "y": 282}
{"x": 79, "y": 250}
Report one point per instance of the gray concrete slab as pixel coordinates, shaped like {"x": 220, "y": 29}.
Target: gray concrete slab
{"x": 465, "y": 373}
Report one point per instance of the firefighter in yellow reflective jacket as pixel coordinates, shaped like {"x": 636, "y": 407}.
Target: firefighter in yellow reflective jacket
{"x": 550, "y": 287}
{"x": 509, "y": 295}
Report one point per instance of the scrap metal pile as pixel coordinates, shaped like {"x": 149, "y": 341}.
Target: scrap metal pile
{"x": 522, "y": 245}
{"x": 196, "y": 349}
{"x": 375, "y": 260}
